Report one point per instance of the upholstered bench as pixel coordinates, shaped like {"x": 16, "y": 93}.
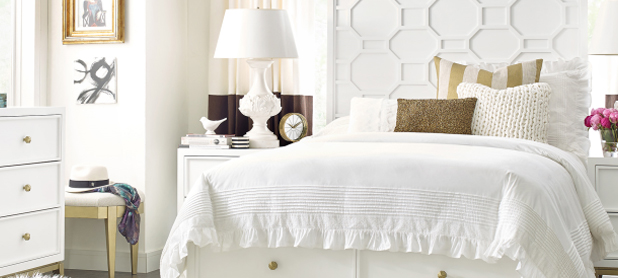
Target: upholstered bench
{"x": 105, "y": 206}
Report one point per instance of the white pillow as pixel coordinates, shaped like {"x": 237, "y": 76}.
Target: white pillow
{"x": 520, "y": 112}
{"x": 372, "y": 115}
{"x": 569, "y": 103}
{"x": 336, "y": 127}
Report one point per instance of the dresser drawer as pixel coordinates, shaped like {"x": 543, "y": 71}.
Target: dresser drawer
{"x": 42, "y": 133}
{"x": 291, "y": 262}
{"x": 28, "y": 188}
{"x": 405, "y": 265}
{"x": 43, "y": 229}
{"x": 607, "y": 186}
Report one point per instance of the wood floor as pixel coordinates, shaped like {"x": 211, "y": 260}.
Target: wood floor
{"x": 73, "y": 273}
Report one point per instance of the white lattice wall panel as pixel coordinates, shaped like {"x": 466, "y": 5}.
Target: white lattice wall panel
{"x": 385, "y": 48}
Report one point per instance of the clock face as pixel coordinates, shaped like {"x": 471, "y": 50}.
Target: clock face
{"x": 294, "y": 127}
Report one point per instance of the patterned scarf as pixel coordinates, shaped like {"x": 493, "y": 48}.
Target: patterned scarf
{"x": 129, "y": 224}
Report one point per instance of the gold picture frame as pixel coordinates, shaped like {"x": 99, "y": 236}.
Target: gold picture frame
{"x": 92, "y": 21}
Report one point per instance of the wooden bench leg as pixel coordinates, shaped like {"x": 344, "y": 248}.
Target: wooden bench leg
{"x": 134, "y": 250}
{"x": 110, "y": 237}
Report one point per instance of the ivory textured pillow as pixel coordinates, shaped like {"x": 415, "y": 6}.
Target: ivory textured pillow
{"x": 450, "y": 75}
{"x": 520, "y": 112}
{"x": 435, "y": 115}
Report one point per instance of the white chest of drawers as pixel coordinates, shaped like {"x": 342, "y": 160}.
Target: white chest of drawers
{"x": 193, "y": 162}
{"x": 31, "y": 190}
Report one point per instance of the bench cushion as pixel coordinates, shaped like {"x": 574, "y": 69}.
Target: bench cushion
{"x": 95, "y": 199}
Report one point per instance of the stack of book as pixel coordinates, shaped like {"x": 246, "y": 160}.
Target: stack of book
{"x": 202, "y": 141}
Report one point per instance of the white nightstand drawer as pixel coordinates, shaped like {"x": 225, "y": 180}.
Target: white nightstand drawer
{"x": 28, "y": 188}
{"x": 39, "y": 228}
{"x": 29, "y": 139}
{"x": 613, "y": 217}
{"x": 607, "y": 186}
{"x": 196, "y": 165}
{"x": 193, "y": 162}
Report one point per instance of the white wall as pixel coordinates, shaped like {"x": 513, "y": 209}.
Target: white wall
{"x": 162, "y": 87}
{"x": 198, "y": 56}
{"x": 166, "y": 110}
{"x": 110, "y": 135}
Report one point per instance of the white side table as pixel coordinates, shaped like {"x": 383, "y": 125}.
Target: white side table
{"x": 603, "y": 173}
{"x": 193, "y": 162}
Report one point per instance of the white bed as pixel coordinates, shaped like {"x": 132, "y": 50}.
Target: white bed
{"x": 312, "y": 207}
{"x": 485, "y": 198}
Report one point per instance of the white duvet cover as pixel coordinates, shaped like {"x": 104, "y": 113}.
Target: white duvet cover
{"x": 455, "y": 195}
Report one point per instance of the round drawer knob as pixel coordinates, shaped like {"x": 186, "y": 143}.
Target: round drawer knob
{"x": 442, "y": 274}
{"x": 27, "y": 139}
{"x": 273, "y": 265}
{"x": 26, "y": 236}
{"x": 27, "y": 188}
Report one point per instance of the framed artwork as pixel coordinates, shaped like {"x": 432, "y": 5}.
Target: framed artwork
{"x": 94, "y": 80}
{"x": 93, "y": 21}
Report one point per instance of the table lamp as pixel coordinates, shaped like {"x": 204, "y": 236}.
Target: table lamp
{"x": 605, "y": 37}
{"x": 259, "y": 35}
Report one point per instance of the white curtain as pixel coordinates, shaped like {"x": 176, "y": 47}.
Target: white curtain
{"x": 288, "y": 76}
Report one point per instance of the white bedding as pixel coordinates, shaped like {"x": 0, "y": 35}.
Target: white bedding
{"x": 455, "y": 195}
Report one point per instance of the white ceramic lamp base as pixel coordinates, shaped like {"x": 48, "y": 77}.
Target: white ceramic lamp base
{"x": 260, "y": 104}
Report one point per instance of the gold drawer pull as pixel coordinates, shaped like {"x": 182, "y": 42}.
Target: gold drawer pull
{"x": 26, "y": 236}
{"x": 442, "y": 274}
{"x": 27, "y": 139}
{"x": 27, "y": 188}
{"x": 273, "y": 265}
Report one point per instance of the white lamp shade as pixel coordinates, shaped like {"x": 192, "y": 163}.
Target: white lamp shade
{"x": 256, "y": 33}
{"x": 605, "y": 36}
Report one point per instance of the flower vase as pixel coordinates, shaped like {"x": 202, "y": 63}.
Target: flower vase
{"x": 609, "y": 142}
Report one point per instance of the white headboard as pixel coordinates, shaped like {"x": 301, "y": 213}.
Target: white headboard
{"x": 385, "y": 48}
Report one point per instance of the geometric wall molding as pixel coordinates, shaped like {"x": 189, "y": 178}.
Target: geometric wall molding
{"x": 385, "y": 48}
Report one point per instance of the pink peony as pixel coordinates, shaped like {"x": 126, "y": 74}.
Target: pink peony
{"x": 613, "y": 117}
{"x": 587, "y": 121}
{"x": 595, "y": 127}
{"x": 595, "y": 120}
{"x": 599, "y": 111}
{"x": 606, "y": 113}
{"x": 606, "y": 123}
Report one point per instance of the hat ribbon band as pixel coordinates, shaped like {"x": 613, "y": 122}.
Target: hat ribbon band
{"x": 87, "y": 184}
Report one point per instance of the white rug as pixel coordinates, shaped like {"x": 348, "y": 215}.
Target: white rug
{"x": 38, "y": 275}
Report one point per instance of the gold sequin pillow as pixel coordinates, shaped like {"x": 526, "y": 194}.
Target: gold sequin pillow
{"x": 435, "y": 115}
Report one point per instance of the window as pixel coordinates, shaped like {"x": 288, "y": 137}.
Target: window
{"x": 593, "y": 11}
{"x": 319, "y": 97}
{"x": 6, "y": 46}
{"x": 602, "y": 67}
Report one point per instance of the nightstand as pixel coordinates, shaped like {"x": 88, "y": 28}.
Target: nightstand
{"x": 603, "y": 173}
{"x": 193, "y": 162}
